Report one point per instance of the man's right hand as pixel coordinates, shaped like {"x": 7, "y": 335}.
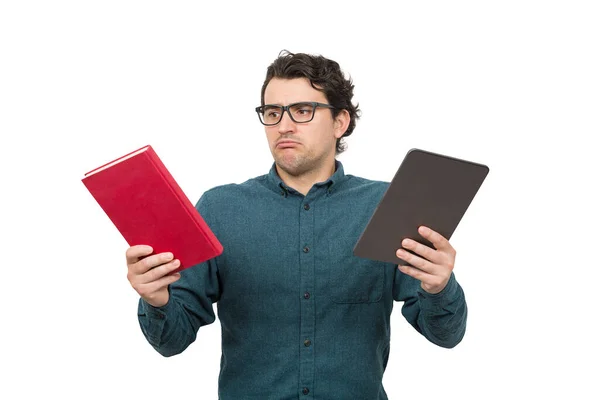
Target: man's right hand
{"x": 148, "y": 274}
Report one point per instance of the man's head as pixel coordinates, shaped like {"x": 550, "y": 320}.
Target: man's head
{"x": 302, "y": 78}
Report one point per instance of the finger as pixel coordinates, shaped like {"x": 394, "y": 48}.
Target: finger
{"x": 134, "y": 253}
{"x": 415, "y": 261}
{"x": 424, "y": 251}
{"x": 416, "y": 273}
{"x": 157, "y": 273}
{"x": 146, "y": 264}
{"x": 147, "y": 289}
{"x": 438, "y": 241}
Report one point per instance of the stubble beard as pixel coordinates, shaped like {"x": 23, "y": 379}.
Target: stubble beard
{"x": 298, "y": 164}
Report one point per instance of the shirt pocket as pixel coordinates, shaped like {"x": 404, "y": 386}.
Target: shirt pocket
{"x": 356, "y": 280}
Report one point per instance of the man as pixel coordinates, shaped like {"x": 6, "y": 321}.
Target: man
{"x": 301, "y": 316}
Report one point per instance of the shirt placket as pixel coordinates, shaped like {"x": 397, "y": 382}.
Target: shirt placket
{"x": 307, "y": 300}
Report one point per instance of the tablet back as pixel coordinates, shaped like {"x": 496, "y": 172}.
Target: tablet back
{"x": 428, "y": 189}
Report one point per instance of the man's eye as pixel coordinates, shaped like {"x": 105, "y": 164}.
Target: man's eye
{"x": 302, "y": 110}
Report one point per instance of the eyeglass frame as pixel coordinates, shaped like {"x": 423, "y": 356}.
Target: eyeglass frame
{"x": 283, "y": 109}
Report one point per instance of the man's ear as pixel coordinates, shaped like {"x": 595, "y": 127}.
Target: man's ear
{"x": 341, "y": 122}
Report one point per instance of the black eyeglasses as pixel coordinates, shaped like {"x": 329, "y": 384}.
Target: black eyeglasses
{"x": 271, "y": 114}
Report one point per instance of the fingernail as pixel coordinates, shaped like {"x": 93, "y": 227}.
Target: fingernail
{"x": 405, "y": 242}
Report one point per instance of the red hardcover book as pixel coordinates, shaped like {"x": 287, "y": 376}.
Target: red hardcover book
{"x": 148, "y": 207}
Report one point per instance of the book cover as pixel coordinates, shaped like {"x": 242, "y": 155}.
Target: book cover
{"x": 147, "y": 206}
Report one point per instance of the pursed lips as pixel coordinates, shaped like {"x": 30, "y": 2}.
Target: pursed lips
{"x": 286, "y": 143}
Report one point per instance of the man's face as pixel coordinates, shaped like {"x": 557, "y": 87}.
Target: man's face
{"x": 298, "y": 148}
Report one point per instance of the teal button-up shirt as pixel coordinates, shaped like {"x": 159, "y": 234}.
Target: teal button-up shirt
{"x": 301, "y": 316}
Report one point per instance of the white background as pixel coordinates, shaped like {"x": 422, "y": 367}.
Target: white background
{"x": 512, "y": 84}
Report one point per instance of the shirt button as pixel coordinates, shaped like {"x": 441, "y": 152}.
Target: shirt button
{"x": 305, "y": 391}
{"x": 306, "y": 249}
{"x": 306, "y": 207}
{"x": 307, "y": 295}
{"x": 307, "y": 343}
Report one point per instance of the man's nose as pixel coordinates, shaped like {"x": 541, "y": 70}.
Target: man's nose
{"x": 286, "y": 124}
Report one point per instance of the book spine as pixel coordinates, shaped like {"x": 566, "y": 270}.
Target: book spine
{"x": 183, "y": 199}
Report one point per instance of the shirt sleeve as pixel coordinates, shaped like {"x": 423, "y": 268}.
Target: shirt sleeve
{"x": 170, "y": 329}
{"x": 440, "y": 317}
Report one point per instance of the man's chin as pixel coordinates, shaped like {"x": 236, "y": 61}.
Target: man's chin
{"x": 291, "y": 165}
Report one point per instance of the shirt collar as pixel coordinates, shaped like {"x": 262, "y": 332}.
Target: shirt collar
{"x": 277, "y": 184}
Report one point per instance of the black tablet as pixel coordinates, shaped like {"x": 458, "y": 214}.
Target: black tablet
{"x": 428, "y": 189}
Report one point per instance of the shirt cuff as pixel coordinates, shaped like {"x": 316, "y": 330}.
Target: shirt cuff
{"x": 159, "y": 313}
{"x": 446, "y": 296}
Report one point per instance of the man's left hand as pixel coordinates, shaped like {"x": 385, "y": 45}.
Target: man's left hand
{"x": 434, "y": 267}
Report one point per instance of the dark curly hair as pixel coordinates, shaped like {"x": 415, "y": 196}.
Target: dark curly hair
{"x": 324, "y": 75}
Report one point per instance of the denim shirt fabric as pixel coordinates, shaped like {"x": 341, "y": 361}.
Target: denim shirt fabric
{"x": 301, "y": 316}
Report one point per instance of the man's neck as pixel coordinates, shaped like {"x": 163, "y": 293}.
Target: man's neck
{"x": 303, "y": 183}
